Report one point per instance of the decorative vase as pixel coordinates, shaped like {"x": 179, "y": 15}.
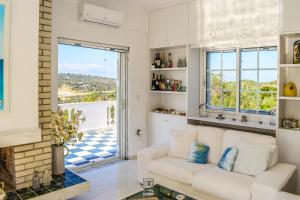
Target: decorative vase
{"x": 58, "y": 160}
{"x": 290, "y": 89}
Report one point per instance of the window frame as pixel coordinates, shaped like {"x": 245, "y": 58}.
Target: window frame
{"x": 238, "y": 110}
{"x": 222, "y": 70}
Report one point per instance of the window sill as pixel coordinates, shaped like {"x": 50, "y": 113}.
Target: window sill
{"x": 250, "y": 126}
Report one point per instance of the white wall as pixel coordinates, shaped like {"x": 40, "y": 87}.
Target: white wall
{"x": 22, "y": 118}
{"x": 132, "y": 34}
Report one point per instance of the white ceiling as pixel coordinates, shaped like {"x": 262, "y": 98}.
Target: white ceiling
{"x": 154, "y": 4}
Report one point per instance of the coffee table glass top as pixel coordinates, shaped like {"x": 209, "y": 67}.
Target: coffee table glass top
{"x": 160, "y": 193}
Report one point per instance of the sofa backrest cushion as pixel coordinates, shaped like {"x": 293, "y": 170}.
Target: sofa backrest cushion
{"x": 181, "y": 142}
{"x": 233, "y": 139}
{"x": 212, "y": 137}
{"x": 253, "y": 158}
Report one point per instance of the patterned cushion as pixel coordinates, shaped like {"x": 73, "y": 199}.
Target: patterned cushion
{"x": 199, "y": 153}
{"x": 228, "y": 158}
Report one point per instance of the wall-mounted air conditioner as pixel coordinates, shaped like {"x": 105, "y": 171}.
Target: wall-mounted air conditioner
{"x": 97, "y": 14}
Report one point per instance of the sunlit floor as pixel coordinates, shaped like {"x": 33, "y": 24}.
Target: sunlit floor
{"x": 96, "y": 146}
{"x": 111, "y": 182}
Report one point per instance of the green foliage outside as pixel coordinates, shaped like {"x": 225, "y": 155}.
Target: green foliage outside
{"x": 252, "y": 93}
{"x": 86, "y": 88}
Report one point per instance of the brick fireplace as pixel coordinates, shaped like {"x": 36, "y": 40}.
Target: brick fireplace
{"x": 18, "y": 163}
{"x": 7, "y": 170}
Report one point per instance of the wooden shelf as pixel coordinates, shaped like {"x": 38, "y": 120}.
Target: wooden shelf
{"x": 167, "y": 114}
{"x": 167, "y": 92}
{"x": 169, "y": 69}
{"x": 290, "y": 65}
{"x": 290, "y": 34}
{"x": 289, "y": 98}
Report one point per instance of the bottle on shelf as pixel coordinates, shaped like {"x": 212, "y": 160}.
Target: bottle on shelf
{"x": 162, "y": 58}
{"x": 158, "y": 61}
{"x": 169, "y": 63}
{"x": 155, "y": 61}
{"x": 162, "y": 85}
{"x": 161, "y": 82}
{"x": 156, "y": 83}
{"x": 153, "y": 84}
{"x": 168, "y": 83}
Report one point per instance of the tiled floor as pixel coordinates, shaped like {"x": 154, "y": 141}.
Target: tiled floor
{"x": 96, "y": 146}
{"x": 111, "y": 182}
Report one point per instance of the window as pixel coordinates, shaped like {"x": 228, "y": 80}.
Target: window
{"x": 221, "y": 80}
{"x": 246, "y": 83}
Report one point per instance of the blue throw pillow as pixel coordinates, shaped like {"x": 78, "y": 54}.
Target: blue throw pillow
{"x": 199, "y": 153}
{"x": 228, "y": 158}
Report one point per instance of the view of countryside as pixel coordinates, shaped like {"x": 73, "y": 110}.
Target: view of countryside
{"x": 87, "y": 81}
{"x": 258, "y": 85}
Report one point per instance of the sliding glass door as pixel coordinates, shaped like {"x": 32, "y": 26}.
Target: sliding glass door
{"x": 92, "y": 78}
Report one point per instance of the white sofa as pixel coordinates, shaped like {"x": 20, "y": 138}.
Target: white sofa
{"x": 207, "y": 181}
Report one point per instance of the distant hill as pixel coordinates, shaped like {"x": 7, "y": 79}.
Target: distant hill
{"x": 86, "y": 83}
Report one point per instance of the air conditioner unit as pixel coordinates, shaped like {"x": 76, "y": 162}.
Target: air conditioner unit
{"x": 97, "y": 14}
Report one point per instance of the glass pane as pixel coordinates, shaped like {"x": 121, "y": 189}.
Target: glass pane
{"x": 268, "y": 77}
{"x": 229, "y": 100}
{"x": 229, "y": 60}
{"x": 213, "y": 60}
{"x": 268, "y": 58}
{"x": 229, "y": 80}
{"x": 267, "y": 101}
{"x": 214, "y": 99}
{"x": 214, "y": 82}
{"x": 248, "y": 102}
{"x": 249, "y": 58}
{"x": 249, "y": 80}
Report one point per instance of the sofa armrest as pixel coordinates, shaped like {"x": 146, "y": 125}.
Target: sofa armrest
{"x": 144, "y": 157}
{"x": 273, "y": 180}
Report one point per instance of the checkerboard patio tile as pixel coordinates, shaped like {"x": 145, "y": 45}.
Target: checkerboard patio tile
{"x": 94, "y": 147}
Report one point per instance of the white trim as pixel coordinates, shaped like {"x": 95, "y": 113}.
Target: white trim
{"x": 101, "y": 46}
{"x": 122, "y": 101}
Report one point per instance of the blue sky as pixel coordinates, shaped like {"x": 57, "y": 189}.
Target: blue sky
{"x": 267, "y": 59}
{"x": 87, "y": 61}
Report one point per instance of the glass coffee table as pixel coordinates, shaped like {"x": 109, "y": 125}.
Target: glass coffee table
{"x": 160, "y": 193}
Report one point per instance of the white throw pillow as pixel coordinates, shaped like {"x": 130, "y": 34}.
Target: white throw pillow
{"x": 274, "y": 156}
{"x": 252, "y": 158}
{"x": 212, "y": 137}
{"x": 181, "y": 142}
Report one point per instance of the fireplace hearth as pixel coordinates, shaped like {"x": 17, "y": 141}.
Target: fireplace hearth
{"x": 7, "y": 168}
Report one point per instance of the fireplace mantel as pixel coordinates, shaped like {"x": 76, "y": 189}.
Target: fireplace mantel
{"x": 14, "y": 138}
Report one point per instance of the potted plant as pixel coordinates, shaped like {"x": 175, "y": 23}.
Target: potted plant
{"x": 64, "y": 130}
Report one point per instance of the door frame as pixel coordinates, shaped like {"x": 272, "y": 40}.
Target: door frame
{"x": 122, "y": 99}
